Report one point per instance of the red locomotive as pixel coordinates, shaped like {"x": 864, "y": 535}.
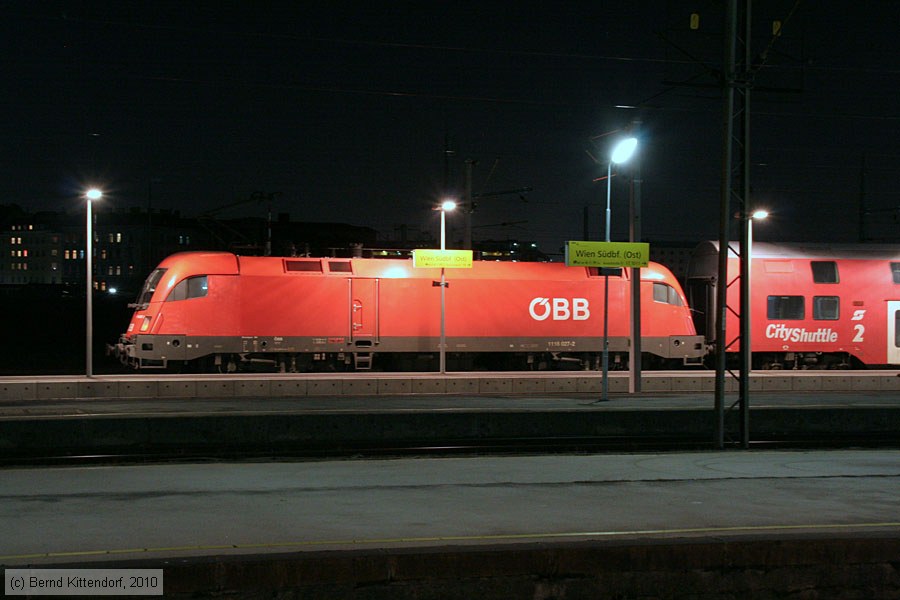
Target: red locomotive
{"x": 812, "y": 305}
{"x": 220, "y": 311}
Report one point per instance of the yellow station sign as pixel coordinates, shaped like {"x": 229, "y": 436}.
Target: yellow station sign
{"x": 607, "y": 254}
{"x": 447, "y": 259}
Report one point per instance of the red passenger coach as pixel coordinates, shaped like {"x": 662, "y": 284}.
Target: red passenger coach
{"x": 220, "y": 311}
{"x": 813, "y": 306}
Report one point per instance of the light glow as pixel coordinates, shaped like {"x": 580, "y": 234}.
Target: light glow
{"x": 759, "y": 214}
{"x": 93, "y": 194}
{"x": 623, "y": 150}
{"x": 448, "y": 205}
{"x": 395, "y": 272}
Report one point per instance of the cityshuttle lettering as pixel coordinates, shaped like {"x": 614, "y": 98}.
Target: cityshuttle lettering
{"x": 784, "y": 333}
{"x": 560, "y": 309}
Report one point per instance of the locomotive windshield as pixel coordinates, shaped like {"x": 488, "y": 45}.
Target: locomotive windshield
{"x": 149, "y": 287}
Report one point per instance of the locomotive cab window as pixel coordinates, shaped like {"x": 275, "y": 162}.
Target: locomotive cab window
{"x": 150, "y": 286}
{"x": 666, "y": 293}
{"x": 826, "y": 308}
{"x": 785, "y": 307}
{"x": 895, "y": 271}
{"x": 192, "y": 287}
{"x": 824, "y": 271}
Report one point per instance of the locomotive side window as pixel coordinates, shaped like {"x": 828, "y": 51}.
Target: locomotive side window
{"x": 192, "y": 287}
{"x": 605, "y": 271}
{"x": 785, "y": 307}
{"x": 342, "y": 266}
{"x": 826, "y": 308}
{"x": 895, "y": 271}
{"x": 897, "y": 329}
{"x": 824, "y": 271}
{"x": 666, "y": 293}
{"x": 304, "y": 266}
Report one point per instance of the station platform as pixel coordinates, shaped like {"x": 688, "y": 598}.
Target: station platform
{"x": 453, "y": 383}
{"x": 57, "y": 419}
{"x": 757, "y": 524}
{"x": 252, "y": 506}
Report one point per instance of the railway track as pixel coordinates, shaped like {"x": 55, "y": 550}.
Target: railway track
{"x": 456, "y": 448}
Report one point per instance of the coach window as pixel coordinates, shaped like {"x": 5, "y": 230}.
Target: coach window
{"x": 666, "y": 293}
{"x": 192, "y": 287}
{"x": 826, "y": 308}
{"x": 785, "y": 307}
{"x": 895, "y": 271}
{"x": 824, "y": 271}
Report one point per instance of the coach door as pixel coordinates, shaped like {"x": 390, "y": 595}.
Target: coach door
{"x": 893, "y": 329}
{"x": 364, "y": 311}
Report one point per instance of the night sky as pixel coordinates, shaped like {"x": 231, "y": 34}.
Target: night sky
{"x": 345, "y": 112}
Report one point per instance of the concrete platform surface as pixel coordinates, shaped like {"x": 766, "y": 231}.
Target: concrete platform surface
{"x": 287, "y": 426}
{"x": 157, "y": 385}
{"x": 83, "y": 515}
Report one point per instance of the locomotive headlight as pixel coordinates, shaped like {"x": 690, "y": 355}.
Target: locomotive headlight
{"x": 146, "y": 324}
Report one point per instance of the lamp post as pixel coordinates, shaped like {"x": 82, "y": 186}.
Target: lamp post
{"x": 446, "y": 205}
{"x": 746, "y": 349}
{"x": 91, "y": 195}
{"x": 621, "y": 152}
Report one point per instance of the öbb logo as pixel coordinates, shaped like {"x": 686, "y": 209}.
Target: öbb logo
{"x": 560, "y": 309}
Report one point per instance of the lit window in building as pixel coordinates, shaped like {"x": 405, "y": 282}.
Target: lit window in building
{"x": 66, "y": 255}
{"x": 119, "y": 238}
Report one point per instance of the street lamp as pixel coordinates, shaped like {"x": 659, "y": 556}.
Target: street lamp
{"x": 445, "y": 207}
{"x": 91, "y": 195}
{"x": 621, "y": 152}
{"x": 746, "y": 316}
{"x": 746, "y": 311}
